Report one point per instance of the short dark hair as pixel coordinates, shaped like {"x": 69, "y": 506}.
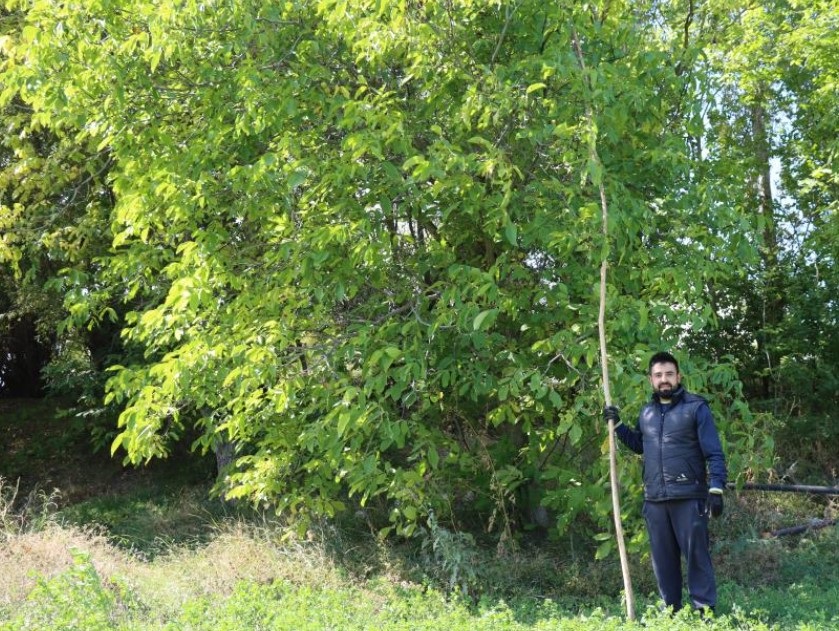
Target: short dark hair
{"x": 662, "y": 357}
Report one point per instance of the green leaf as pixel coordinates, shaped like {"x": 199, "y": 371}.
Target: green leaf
{"x": 296, "y": 179}
{"x": 117, "y": 443}
{"x": 511, "y": 233}
{"x": 484, "y": 320}
{"x": 604, "y": 550}
{"x": 433, "y": 458}
{"x": 344, "y": 419}
{"x": 575, "y": 433}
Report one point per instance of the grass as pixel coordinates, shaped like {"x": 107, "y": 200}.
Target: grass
{"x": 150, "y": 521}
{"x": 147, "y": 551}
{"x": 242, "y": 574}
{"x": 80, "y": 598}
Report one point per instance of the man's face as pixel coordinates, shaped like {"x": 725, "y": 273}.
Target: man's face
{"x": 664, "y": 378}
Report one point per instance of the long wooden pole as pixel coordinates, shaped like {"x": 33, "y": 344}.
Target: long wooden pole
{"x": 613, "y": 459}
{"x": 604, "y": 360}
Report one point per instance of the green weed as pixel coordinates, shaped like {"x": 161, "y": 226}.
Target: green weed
{"x": 30, "y": 513}
{"x": 791, "y": 583}
{"x": 452, "y": 556}
{"x": 75, "y": 600}
{"x": 80, "y": 600}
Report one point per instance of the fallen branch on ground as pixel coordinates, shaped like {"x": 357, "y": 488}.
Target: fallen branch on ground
{"x": 787, "y": 488}
{"x": 813, "y": 524}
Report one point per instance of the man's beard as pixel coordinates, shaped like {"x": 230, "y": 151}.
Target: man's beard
{"x": 665, "y": 390}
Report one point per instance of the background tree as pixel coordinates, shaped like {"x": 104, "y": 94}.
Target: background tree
{"x": 361, "y": 242}
{"x": 771, "y": 118}
{"x": 55, "y": 223}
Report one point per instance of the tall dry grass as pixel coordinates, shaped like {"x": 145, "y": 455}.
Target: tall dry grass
{"x": 29, "y": 555}
{"x": 37, "y": 545}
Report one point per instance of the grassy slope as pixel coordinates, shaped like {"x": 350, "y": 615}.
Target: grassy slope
{"x": 146, "y": 550}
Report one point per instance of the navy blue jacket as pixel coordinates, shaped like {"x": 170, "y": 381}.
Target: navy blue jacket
{"x": 680, "y": 445}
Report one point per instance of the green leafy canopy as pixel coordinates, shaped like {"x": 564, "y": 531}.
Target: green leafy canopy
{"x": 361, "y": 240}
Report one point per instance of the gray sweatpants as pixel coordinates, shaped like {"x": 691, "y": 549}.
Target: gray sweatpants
{"x": 679, "y": 529}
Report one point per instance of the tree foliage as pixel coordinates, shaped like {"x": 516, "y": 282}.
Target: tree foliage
{"x": 360, "y": 241}
{"x": 774, "y": 124}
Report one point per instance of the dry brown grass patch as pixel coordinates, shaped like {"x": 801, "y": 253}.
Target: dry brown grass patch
{"x": 28, "y": 556}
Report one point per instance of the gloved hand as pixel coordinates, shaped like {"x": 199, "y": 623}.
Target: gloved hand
{"x": 715, "y": 502}
{"x": 612, "y": 413}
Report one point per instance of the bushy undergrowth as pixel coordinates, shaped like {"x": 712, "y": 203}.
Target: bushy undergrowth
{"x": 79, "y": 599}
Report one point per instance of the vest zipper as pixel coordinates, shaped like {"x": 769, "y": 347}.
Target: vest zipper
{"x": 661, "y": 414}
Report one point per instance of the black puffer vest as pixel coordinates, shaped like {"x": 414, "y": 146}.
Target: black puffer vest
{"x": 674, "y": 467}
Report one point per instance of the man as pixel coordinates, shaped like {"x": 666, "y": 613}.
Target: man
{"x": 684, "y": 478}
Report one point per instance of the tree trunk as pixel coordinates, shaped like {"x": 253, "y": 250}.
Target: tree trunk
{"x": 772, "y": 300}
{"x": 225, "y": 451}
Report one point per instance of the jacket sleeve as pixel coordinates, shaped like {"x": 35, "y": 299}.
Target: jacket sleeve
{"x": 709, "y": 442}
{"x": 631, "y": 438}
